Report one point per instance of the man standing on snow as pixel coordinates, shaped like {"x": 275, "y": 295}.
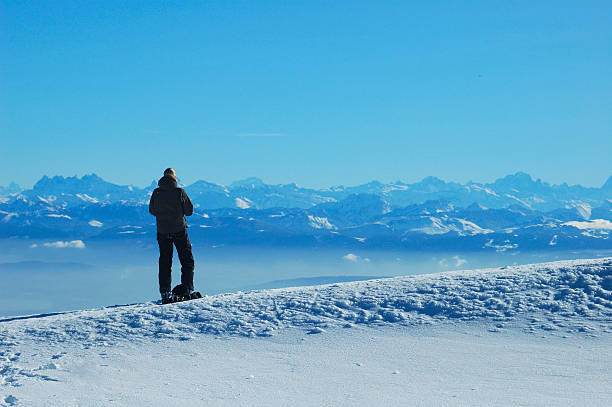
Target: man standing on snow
{"x": 170, "y": 204}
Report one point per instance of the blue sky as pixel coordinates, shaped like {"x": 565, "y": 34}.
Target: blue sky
{"x": 318, "y": 93}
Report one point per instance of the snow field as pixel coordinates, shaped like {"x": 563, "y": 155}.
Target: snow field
{"x": 561, "y": 296}
{"x": 370, "y": 366}
{"x": 426, "y": 338}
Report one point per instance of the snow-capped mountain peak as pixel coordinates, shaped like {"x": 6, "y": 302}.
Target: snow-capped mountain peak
{"x": 250, "y": 183}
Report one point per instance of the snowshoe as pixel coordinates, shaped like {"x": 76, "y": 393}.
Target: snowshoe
{"x": 167, "y": 298}
{"x": 180, "y": 290}
{"x": 179, "y": 294}
{"x": 195, "y": 295}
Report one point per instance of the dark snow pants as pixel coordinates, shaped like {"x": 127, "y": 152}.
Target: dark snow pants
{"x": 183, "y": 248}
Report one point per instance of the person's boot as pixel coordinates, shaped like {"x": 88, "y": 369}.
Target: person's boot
{"x": 167, "y": 297}
{"x": 194, "y": 295}
{"x": 182, "y": 293}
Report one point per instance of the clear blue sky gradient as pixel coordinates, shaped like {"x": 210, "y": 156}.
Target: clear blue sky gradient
{"x": 318, "y": 93}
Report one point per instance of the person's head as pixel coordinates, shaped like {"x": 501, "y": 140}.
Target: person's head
{"x": 169, "y": 172}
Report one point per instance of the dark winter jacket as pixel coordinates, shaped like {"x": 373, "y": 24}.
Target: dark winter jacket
{"x": 170, "y": 204}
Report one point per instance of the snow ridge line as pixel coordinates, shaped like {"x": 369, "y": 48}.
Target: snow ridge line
{"x": 574, "y": 296}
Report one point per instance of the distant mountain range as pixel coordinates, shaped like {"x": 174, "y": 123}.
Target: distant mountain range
{"x": 512, "y": 213}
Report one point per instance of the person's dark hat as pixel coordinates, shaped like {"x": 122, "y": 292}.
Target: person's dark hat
{"x": 169, "y": 172}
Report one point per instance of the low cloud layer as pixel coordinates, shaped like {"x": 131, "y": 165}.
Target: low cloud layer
{"x": 73, "y": 244}
{"x": 454, "y": 261}
{"x": 355, "y": 259}
{"x": 597, "y": 224}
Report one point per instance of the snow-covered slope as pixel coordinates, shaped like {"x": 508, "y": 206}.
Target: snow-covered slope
{"x": 129, "y": 355}
{"x": 566, "y": 295}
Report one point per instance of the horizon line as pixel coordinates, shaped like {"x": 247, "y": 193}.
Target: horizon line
{"x": 470, "y": 182}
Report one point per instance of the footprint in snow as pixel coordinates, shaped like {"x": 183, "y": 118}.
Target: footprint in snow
{"x": 59, "y": 355}
{"x": 49, "y": 366}
{"x": 11, "y": 400}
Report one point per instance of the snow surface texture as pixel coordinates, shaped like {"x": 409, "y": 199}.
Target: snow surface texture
{"x": 567, "y": 297}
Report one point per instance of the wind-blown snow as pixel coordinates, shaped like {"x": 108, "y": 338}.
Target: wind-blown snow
{"x": 129, "y": 355}
{"x": 566, "y": 295}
